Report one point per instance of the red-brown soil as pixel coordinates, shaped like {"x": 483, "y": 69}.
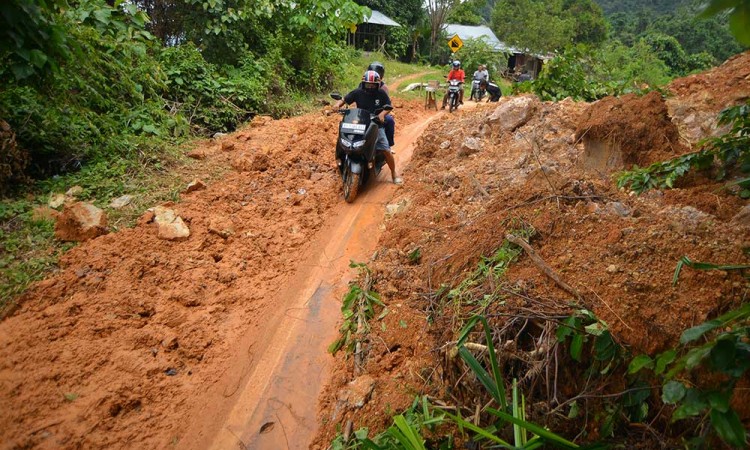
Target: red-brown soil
{"x": 618, "y": 250}
{"x": 121, "y": 347}
{"x": 126, "y": 345}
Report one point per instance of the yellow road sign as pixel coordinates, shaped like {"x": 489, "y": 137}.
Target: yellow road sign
{"x": 455, "y": 43}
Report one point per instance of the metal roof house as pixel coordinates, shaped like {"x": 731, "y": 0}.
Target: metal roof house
{"x": 483, "y": 32}
{"x": 517, "y": 58}
{"x": 370, "y": 34}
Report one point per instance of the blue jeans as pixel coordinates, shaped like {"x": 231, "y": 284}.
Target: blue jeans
{"x": 390, "y": 129}
{"x": 382, "y": 142}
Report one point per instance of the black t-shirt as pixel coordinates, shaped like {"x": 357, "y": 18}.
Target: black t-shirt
{"x": 493, "y": 90}
{"x": 368, "y": 100}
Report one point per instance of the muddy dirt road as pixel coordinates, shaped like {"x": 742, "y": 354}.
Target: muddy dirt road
{"x": 218, "y": 340}
{"x": 142, "y": 342}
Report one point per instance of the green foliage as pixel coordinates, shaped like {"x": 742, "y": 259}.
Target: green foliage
{"x": 540, "y": 26}
{"x": 726, "y": 352}
{"x": 31, "y": 36}
{"x": 669, "y": 50}
{"x": 512, "y": 413}
{"x": 78, "y": 114}
{"x": 708, "y": 36}
{"x": 467, "y": 12}
{"x": 405, "y": 433}
{"x": 583, "y": 327}
{"x": 477, "y": 51}
{"x": 584, "y": 73}
{"x": 357, "y": 308}
{"x": 729, "y": 151}
{"x": 738, "y": 14}
{"x": 590, "y": 26}
{"x": 685, "y": 261}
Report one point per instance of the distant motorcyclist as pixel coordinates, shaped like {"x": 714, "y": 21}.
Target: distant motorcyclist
{"x": 390, "y": 122}
{"x": 456, "y": 73}
{"x": 480, "y": 75}
{"x": 493, "y": 91}
{"x": 369, "y": 96}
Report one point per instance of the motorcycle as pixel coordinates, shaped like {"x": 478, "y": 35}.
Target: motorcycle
{"x": 356, "y": 157}
{"x": 454, "y": 86}
{"x": 476, "y": 91}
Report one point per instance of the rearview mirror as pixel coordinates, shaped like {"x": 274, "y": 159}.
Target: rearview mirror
{"x": 388, "y": 108}
{"x": 336, "y": 96}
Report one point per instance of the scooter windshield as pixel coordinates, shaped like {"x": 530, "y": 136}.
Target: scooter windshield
{"x": 355, "y": 121}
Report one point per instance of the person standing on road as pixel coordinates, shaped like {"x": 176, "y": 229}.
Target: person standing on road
{"x": 370, "y": 97}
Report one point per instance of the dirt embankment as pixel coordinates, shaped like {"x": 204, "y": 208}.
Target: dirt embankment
{"x": 477, "y": 175}
{"x": 117, "y": 349}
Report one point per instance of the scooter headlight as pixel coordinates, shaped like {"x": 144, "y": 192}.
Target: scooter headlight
{"x": 346, "y": 142}
{"x": 358, "y": 144}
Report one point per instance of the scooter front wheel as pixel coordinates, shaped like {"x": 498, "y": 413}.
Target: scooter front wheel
{"x": 351, "y": 185}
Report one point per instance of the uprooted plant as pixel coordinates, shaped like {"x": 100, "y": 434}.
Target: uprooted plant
{"x": 358, "y": 308}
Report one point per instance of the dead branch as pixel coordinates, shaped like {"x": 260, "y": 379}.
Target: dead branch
{"x": 542, "y": 266}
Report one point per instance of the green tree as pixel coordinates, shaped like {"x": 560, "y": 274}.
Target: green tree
{"x": 537, "y": 25}
{"x": 467, "y": 12}
{"x": 590, "y": 26}
{"x": 739, "y": 16}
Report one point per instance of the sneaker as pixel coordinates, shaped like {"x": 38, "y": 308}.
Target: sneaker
{"x": 398, "y": 180}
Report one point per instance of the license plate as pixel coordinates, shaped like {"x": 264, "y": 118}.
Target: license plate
{"x": 353, "y": 126}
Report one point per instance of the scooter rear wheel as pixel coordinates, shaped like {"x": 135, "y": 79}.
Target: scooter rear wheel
{"x": 351, "y": 185}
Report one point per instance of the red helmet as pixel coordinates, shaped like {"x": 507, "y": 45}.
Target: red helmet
{"x": 371, "y": 80}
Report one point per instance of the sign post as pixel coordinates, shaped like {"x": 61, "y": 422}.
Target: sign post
{"x": 455, "y": 43}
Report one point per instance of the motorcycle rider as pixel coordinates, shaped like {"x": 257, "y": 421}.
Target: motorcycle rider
{"x": 479, "y": 75}
{"x": 390, "y": 122}
{"x": 493, "y": 91}
{"x": 456, "y": 73}
{"x": 370, "y": 97}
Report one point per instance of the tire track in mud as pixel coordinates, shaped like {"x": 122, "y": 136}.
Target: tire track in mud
{"x": 275, "y": 387}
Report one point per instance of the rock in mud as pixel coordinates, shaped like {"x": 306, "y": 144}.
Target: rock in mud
{"x": 395, "y": 208}
{"x": 256, "y": 163}
{"x": 687, "y": 220}
{"x": 227, "y": 146}
{"x": 357, "y": 392}
{"x": 469, "y": 146}
{"x": 445, "y": 144}
{"x": 121, "y": 202}
{"x": 221, "y": 226}
{"x": 742, "y": 217}
{"x": 617, "y": 208}
{"x": 195, "y": 185}
{"x": 513, "y": 113}
{"x": 197, "y": 154}
{"x": 79, "y": 222}
{"x": 170, "y": 226}
{"x": 74, "y": 191}
{"x": 259, "y": 121}
{"x": 56, "y": 201}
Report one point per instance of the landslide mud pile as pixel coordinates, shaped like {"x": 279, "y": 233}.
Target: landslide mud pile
{"x": 117, "y": 349}
{"x": 478, "y": 174}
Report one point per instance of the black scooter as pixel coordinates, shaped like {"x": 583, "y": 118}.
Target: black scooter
{"x": 357, "y": 159}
